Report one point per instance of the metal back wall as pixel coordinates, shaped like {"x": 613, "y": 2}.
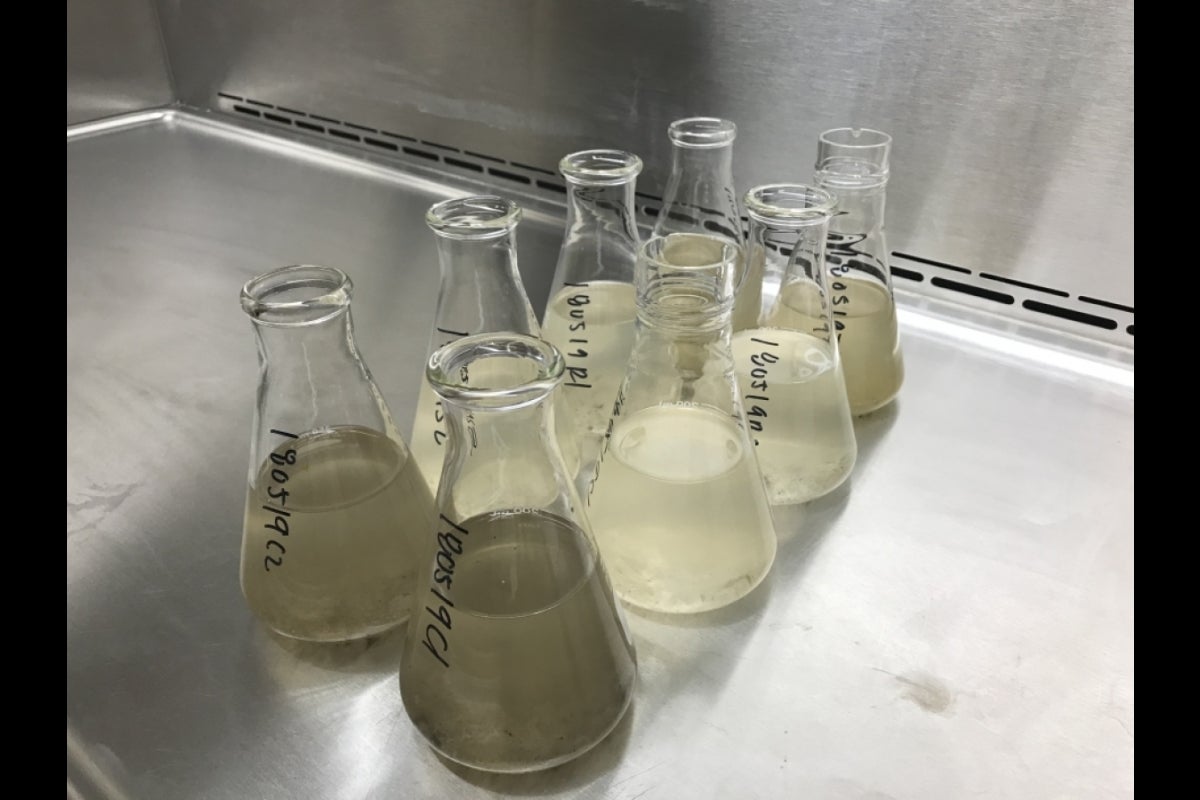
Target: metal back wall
{"x": 115, "y": 59}
{"x": 1013, "y": 119}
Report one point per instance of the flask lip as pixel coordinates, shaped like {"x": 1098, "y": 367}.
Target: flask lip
{"x": 702, "y": 132}
{"x": 449, "y": 368}
{"x": 297, "y": 295}
{"x": 853, "y": 157}
{"x": 791, "y": 205}
{"x": 474, "y": 217}
{"x": 600, "y": 167}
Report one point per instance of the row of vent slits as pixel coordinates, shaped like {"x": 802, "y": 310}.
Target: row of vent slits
{"x": 649, "y": 205}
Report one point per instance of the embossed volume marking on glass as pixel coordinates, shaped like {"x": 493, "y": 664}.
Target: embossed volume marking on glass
{"x": 701, "y": 198}
{"x": 591, "y": 311}
{"x": 678, "y": 503}
{"x": 853, "y": 163}
{"x": 480, "y": 292}
{"x": 335, "y": 505}
{"x": 519, "y": 659}
{"x": 789, "y": 370}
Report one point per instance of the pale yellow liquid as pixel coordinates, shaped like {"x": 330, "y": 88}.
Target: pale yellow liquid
{"x": 803, "y": 433}
{"x": 429, "y": 436}
{"x": 679, "y": 511}
{"x": 540, "y": 665}
{"x": 594, "y": 327}
{"x": 869, "y": 340}
{"x": 431, "y": 429}
{"x": 347, "y": 567}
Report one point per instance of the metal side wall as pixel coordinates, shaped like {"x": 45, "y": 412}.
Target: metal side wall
{"x": 1013, "y": 120}
{"x": 115, "y": 59}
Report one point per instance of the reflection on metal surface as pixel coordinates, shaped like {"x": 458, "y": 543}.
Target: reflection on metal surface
{"x": 982, "y": 550}
{"x": 115, "y": 59}
{"x": 1013, "y": 123}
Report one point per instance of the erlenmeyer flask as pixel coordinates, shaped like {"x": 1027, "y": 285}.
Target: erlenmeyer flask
{"x": 335, "y": 506}
{"x": 853, "y": 164}
{"x": 677, "y": 503}
{"x": 788, "y": 368}
{"x": 519, "y": 658}
{"x": 591, "y": 312}
{"x": 701, "y": 198}
{"x": 480, "y": 292}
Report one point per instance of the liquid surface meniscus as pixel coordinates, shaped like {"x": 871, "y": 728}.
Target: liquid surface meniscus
{"x": 536, "y": 665}
{"x": 679, "y": 511}
{"x": 794, "y": 397}
{"x": 331, "y": 525}
{"x": 869, "y": 341}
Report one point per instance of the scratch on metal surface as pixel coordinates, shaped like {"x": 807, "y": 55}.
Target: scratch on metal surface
{"x": 636, "y": 774}
{"x": 97, "y": 503}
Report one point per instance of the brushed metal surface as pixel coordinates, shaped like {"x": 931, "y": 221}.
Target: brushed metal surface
{"x": 956, "y": 622}
{"x": 115, "y": 59}
{"x": 1013, "y": 120}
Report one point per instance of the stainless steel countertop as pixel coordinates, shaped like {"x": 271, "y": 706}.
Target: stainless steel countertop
{"x": 955, "y": 622}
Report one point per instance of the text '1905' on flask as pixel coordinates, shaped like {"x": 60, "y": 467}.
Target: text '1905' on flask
{"x": 852, "y": 163}
{"x": 678, "y": 503}
{"x": 591, "y": 312}
{"x": 518, "y": 658}
{"x": 788, "y": 367}
{"x": 480, "y": 292}
{"x": 335, "y": 506}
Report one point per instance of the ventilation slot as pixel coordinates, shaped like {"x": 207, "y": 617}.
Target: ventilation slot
{"x": 957, "y": 281}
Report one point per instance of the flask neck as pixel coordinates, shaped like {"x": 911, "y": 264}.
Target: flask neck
{"x": 497, "y": 391}
{"x": 331, "y": 337}
{"x": 481, "y": 289}
{"x": 859, "y": 209}
{"x": 601, "y": 236}
{"x": 700, "y": 195}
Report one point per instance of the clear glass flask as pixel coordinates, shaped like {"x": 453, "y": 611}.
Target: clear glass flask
{"x": 852, "y": 163}
{"x": 788, "y": 368}
{"x": 701, "y": 198}
{"x": 335, "y": 506}
{"x": 677, "y": 502}
{"x": 480, "y": 292}
{"x": 519, "y": 658}
{"x": 591, "y": 312}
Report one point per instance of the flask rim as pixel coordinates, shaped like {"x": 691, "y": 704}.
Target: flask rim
{"x": 481, "y": 216}
{"x": 297, "y": 295}
{"x": 702, "y": 132}
{"x": 444, "y": 370}
{"x": 695, "y": 293}
{"x": 600, "y": 167}
{"x": 791, "y": 205}
{"x": 853, "y": 157}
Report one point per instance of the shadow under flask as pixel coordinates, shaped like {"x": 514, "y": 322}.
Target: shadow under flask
{"x": 335, "y": 506}
{"x": 701, "y": 198}
{"x": 480, "y": 292}
{"x": 852, "y": 163}
{"x": 519, "y": 658}
{"x": 678, "y": 503}
{"x": 788, "y": 368}
{"x": 591, "y": 312}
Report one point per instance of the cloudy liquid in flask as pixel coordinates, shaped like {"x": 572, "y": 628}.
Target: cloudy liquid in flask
{"x": 328, "y": 550}
{"x": 536, "y": 665}
{"x": 594, "y": 326}
{"x": 693, "y": 465}
{"x": 794, "y": 397}
{"x": 429, "y": 436}
{"x": 868, "y": 340}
